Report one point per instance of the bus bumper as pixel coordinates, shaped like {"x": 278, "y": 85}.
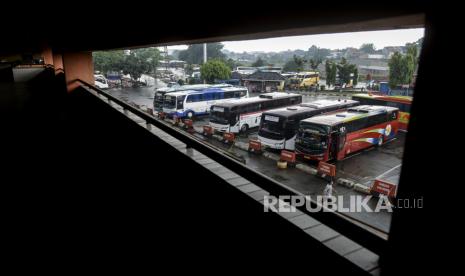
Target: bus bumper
{"x": 274, "y": 144}
{"x": 219, "y": 127}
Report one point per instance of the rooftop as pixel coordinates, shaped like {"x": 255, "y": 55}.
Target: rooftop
{"x": 349, "y": 115}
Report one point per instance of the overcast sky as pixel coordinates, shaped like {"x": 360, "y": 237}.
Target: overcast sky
{"x": 332, "y": 41}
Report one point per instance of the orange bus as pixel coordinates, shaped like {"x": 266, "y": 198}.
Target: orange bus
{"x": 403, "y": 103}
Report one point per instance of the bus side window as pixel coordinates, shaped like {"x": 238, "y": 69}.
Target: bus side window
{"x": 180, "y": 104}
{"x": 406, "y": 108}
{"x": 349, "y": 126}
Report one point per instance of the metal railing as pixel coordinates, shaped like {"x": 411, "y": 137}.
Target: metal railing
{"x": 358, "y": 231}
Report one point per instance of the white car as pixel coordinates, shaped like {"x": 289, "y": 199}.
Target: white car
{"x": 100, "y": 81}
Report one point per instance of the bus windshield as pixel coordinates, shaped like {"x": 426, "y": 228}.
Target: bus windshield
{"x": 272, "y": 125}
{"x": 170, "y": 102}
{"x": 159, "y": 97}
{"x": 219, "y": 115}
{"x": 314, "y": 136}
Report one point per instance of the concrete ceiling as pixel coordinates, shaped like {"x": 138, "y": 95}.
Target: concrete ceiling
{"x": 120, "y": 27}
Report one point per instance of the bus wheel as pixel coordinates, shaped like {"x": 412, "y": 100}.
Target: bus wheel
{"x": 190, "y": 114}
{"x": 380, "y": 141}
{"x": 244, "y": 129}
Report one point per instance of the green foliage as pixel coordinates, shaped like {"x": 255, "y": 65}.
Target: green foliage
{"x": 316, "y": 53}
{"x": 232, "y": 64}
{"x": 108, "y": 61}
{"x": 134, "y": 66}
{"x": 149, "y": 56}
{"x": 402, "y": 68}
{"x": 258, "y": 63}
{"x": 290, "y": 66}
{"x": 314, "y": 63}
{"x": 138, "y": 62}
{"x": 368, "y": 48}
{"x": 296, "y": 64}
{"x": 194, "y": 53}
{"x": 347, "y": 71}
{"x": 331, "y": 71}
{"x": 215, "y": 69}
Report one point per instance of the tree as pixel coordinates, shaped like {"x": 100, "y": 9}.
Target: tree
{"x": 299, "y": 62}
{"x": 412, "y": 60}
{"x": 368, "y": 48}
{"x": 106, "y": 61}
{"x": 331, "y": 71}
{"x": 194, "y": 53}
{"x": 355, "y": 76}
{"x": 258, "y": 63}
{"x": 149, "y": 56}
{"x": 232, "y": 64}
{"x": 316, "y": 53}
{"x": 214, "y": 69}
{"x": 290, "y": 66}
{"x": 402, "y": 68}
{"x": 314, "y": 63}
{"x": 347, "y": 72}
{"x": 135, "y": 66}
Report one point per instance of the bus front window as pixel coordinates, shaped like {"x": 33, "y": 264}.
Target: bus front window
{"x": 170, "y": 102}
{"x": 314, "y": 138}
{"x": 271, "y": 127}
{"x": 219, "y": 115}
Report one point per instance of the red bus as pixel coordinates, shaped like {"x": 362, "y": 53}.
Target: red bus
{"x": 403, "y": 103}
{"x": 336, "y": 135}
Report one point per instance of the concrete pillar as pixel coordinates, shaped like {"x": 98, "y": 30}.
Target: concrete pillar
{"x": 47, "y": 55}
{"x": 78, "y": 65}
{"x": 57, "y": 62}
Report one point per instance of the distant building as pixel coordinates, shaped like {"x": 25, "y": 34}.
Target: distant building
{"x": 271, "y": 69}
{"x": 374, "y": 71}
{"x": 390, "y": 50}
{"x": 264, "y": 82}
{"x": 373, "y": 56}
{"x": 235, "y": 75}
{"x": 177, "y": 63}
{"x": 335, "y": 55}
{"x": 243, "y": 70}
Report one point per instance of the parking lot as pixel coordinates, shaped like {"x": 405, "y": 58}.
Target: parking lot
{"x": 362, "y": 168}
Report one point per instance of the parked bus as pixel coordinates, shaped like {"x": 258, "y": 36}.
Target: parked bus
{"x": 278, "y": 127}
{"x": 240, "y": 115}
{"x": 403, "y": 103}
{"x": 193, "y": 103}
{"x": 334, "y": 136}
{"x": 160, "y": 93}
{"x": 308, "y": 79}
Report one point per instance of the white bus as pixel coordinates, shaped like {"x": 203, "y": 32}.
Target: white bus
{"x": 160, "y": 93}
{"x": 193, "y": 103}
{"x": 278, "y": 127}
{"x": 240, "y": 115}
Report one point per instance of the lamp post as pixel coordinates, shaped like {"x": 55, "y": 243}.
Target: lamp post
{"x": 204, "y": 57}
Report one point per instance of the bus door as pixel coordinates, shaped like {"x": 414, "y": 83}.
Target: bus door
{"x": 341, "y": 142}
{"x": 333, "y": 145}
